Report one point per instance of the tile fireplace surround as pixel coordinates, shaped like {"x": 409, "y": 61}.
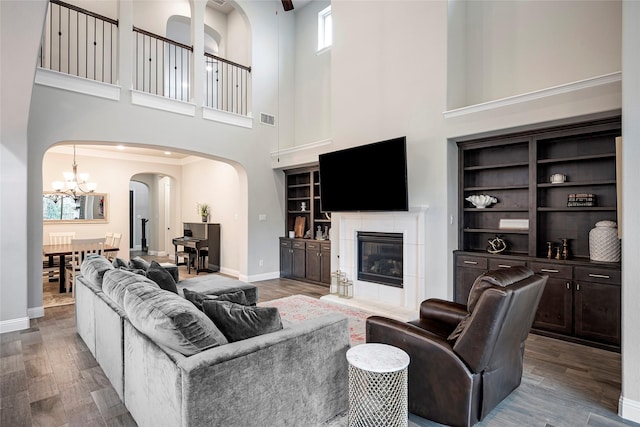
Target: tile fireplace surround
{"x": 400, "y": 303}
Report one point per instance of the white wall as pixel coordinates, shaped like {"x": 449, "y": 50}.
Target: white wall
{"x": 20, "y": 32}
{"x": 630, "y": 402}
{"x": 218, "y": 185}
{"x": 152, "y": 16}
{"x": 312, "y": 78}
{"x": 238, "y": 39}
{"x": 388, "y": 79}
{"x": 514, "y": 47}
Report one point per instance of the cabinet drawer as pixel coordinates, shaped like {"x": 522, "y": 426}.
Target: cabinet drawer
{"x": 313, "y": 246}
{"x": 552, "y": 270}
{"x": 600, "y": 275}
{"x": 285, "y": 243}
{"x": 326, "y": 247}
{"x": 298, "y": 244}
{"x": 471, "y": 261}
{"x": 497, "y": 264}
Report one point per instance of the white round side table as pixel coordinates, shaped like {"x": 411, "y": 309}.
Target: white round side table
{"x": 378, "y": 386}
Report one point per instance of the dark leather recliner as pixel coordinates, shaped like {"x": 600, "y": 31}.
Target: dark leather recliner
{"x": 465, "y": 359}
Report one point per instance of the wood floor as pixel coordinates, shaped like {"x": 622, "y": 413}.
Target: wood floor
{"x": 48, "y": 377}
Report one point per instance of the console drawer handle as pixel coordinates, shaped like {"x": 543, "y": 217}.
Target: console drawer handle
{"x": 549, "y": 270}
{"x": 471, "y": 262}
{"x": 600, "y": 276}
{"x": 504, "y": 266}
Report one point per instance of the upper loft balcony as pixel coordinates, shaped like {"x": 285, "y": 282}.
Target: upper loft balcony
{"x": 81, "y": 51}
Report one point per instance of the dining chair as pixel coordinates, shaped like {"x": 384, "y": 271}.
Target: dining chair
{"x": 115, "y": 242}
{"x": 51, "y": 267}
{"x": 80, "y": 248}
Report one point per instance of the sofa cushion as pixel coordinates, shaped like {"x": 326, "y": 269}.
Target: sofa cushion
{"x": 116, "y": 281}
{"x": 119, "y": 263}
{"x": 93, "y": 268}
{"x": 217, "y": 284}
{"x": 238, "y": 322}
{"x": 138, "y": 271}
{"x": 139, "y": 263}
{"x": 197, "y": 298}
{"x": 162, "y": 277}
{"x": 170, "y": 320}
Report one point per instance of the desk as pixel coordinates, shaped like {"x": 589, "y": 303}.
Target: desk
{"x": 62, "y": 251}
{"x": 194, "y": 243}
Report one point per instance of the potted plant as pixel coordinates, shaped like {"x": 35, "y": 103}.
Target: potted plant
{"x": 203, "y": 210}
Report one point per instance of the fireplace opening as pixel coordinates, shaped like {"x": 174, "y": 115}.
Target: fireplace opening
{"x": 380, "y": 258}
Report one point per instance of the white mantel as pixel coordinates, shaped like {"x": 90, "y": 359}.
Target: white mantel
{"x": 402, "y": 303}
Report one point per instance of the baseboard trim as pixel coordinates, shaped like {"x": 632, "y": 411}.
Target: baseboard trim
{"x": 259, "y": 277}
{"x": 12, "y": 325}
{"x": 35, "y": 312}
{"x": 629, "y": 409}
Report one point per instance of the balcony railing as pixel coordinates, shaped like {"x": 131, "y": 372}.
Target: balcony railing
{"x": 226, "y": 85}
{"x": 161, "y": 66}
{"x": 79, "y": 42}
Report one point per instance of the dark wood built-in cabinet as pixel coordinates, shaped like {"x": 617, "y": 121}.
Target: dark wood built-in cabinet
{"x": 305, "y": 259}
{"x": 581, "y": 302}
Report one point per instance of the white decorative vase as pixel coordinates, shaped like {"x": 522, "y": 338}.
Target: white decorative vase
{"x": 604, "y": 244}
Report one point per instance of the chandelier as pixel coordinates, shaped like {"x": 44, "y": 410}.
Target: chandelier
{"x": 74, "y": 185}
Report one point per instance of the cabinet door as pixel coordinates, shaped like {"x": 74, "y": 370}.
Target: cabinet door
{"x": 468, "y": 268}
{"x": 325, "y": 263}
{"x": 286, "y": 258}
{"x": 313, "y": 261}
{"x": 298, "y": 263}
{"x": 597, "y": 312}
{"x": 555, "y": 310}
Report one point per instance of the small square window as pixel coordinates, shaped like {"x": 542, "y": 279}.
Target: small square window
{"x": 325, "y": 33}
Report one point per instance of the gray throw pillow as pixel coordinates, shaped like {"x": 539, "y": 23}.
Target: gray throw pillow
{"x": 93, "y": 268}
{"x": 162, "y": 277}
{"x": 170, "y": 320}
{"x": 119, "y": 263}
{"x": 238, "y": 322}
{"x": 139, "y": 263}
{"x": 197, "y": 298}
{"x": 116, "y": 282}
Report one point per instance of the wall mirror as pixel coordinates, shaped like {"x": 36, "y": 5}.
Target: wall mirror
{"x": 85, "y": 208}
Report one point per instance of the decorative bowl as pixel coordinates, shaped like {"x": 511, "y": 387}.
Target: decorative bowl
{"x": 481, "y": 201}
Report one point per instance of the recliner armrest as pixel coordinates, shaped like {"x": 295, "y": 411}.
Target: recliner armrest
{"x": 447, "y": 312}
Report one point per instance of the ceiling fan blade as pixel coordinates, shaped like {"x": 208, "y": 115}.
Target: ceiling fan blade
{"x": 287, "y": 4}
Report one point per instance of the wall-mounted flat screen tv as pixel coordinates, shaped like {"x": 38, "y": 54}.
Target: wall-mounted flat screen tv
{"x": 370, "y": 177}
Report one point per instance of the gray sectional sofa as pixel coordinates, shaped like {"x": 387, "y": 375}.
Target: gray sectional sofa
{"x": 295, "y": 376}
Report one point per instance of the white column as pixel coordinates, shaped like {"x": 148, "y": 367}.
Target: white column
{"x": 198, "y": 8}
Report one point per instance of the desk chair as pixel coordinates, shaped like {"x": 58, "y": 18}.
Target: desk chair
{"x": 51, "y": 266}
{"x": 80, "y": 249}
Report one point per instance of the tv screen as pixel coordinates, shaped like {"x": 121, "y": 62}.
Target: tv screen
{"x": 370, "y": 177}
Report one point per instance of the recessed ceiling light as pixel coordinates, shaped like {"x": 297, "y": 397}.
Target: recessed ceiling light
{"x": 168, "y": 153}
{"x": 120, "y": 147}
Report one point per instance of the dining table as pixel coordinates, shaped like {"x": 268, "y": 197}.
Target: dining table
{"x": 62, "y": 251}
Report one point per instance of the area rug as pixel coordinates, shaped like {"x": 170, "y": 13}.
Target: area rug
{"x": 297, "y": 308}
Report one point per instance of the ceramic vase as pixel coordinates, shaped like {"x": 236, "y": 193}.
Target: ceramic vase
{"x": 604, "y": 244}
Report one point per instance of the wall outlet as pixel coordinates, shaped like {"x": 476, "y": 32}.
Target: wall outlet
{"x": 262, "y": 217}
{"x": 261, "y": 263}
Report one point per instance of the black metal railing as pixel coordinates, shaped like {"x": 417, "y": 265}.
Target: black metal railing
{"x": 226, "y": 85}
{"x": 79, "y": 42}
{"x": 162, "y": 66}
